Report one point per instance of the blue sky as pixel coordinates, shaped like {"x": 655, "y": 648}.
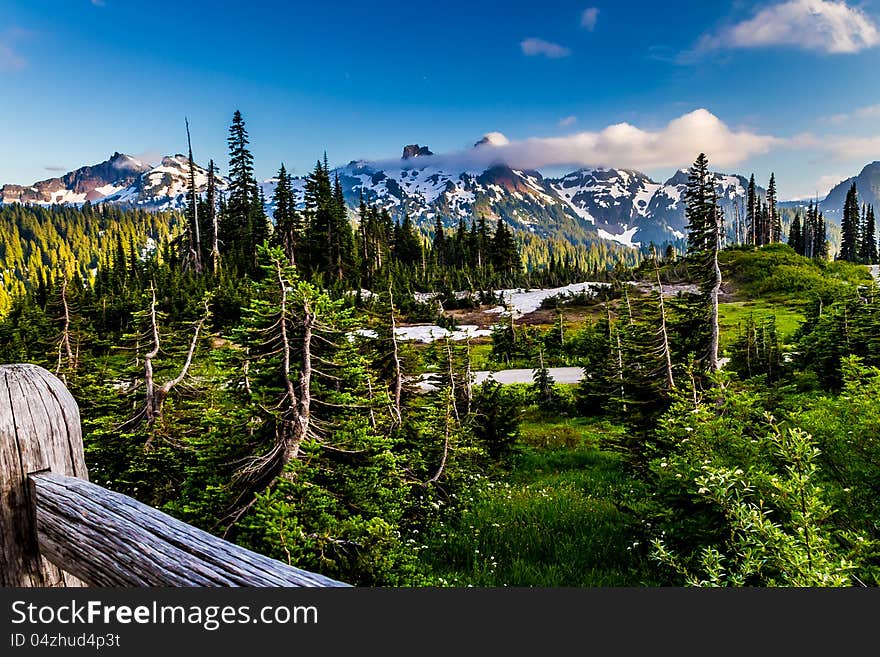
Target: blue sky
{"x": 790, "y": 86}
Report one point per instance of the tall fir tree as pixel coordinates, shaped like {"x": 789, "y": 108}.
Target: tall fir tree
{"x": 795, "y": 235}
{"x": 238, "y": 217}
{"x": 868, "y": 241}
{"x": 752, "y": 212}
{"x": 705, "y": 228}
{"x": 192, "y": 256}
{"x": 820, "y": 242}
{"x": 438, "y": 244}
{"x": 774, "y": 221}
{"x": 849, "y": 227}
{"x": 287, "y": 220}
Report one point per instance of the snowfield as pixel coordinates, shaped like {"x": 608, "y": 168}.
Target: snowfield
{"x": 521, "y": 302}
{"x": 430, "y": 332}
{"x": 427, "y": 333}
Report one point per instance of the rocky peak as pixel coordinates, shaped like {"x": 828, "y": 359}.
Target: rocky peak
{"x": 414, "y": 150}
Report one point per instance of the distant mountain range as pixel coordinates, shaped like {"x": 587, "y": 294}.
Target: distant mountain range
{"x": 590, "y": 204}
{"x": 121, "y": 179}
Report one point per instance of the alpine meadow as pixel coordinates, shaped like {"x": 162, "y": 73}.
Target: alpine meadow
{"x": 619, "y": 344}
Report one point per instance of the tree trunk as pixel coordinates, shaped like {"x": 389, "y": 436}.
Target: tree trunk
{"x": 64, "y": 344}
{"x": 150, "y": 408}
{"x": 398, "y": 372}
{"x": 664, "y": 335}
{"x": 716, "y": 291}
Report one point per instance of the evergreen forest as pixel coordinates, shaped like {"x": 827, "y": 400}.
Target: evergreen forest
{"x": 246, "y": 374}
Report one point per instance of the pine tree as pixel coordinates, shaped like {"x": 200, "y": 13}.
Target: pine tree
{"x": 752, "y": 213}
{"x": 438, "y": 244}
{"x": 287, "y": 221}
{"x": 343, "y": 243}
{"x": 808, "y": 231}
{"x": 849, "y": 227}
{"x": 320, "y": 223}
{"x": 212, "y": 218}
{"x": 705, "y": 227}
{"x": 774, "y": 221}
{"x": 238, "y": 220}
{"x": 868, "y": 241}
{"x": 820, "y": 243}
{"x": 505, "y": 256}
{"x": 795, "y": 235}
{"x": 192, "y": 257}
{"x": 407, "y": 246}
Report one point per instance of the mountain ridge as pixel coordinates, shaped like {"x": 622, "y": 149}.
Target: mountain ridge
{"x": 591, "y": 203}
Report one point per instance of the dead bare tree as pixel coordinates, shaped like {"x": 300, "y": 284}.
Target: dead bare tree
{"x": 293, "y": 410}
{"x": 716, "y": 291}
{"x": 450, "y": 402}
{"x": 451, "y": 371}
{"x": 398, "y": 371}
{"x": 195, "y": 242}
{"x": 211, "y": 202}
{"x": 155, "y": 396}
{"x": 150, "y": 401}
{"x": 664, "y": 335}
{"x": 64, "y": 347}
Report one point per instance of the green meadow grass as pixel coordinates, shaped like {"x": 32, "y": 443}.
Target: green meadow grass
{"x": 733, "y": 315}
{"x": 558, "y": 520}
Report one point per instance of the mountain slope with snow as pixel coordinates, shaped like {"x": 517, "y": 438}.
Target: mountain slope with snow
{"x": 121, "y": 179}
{"x": 586, "y": 205}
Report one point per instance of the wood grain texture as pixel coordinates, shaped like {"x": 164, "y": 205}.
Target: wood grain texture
{"x": 39, "y": 431}
{"x": 110, "y": 539}
{"x": 57, "y": 529}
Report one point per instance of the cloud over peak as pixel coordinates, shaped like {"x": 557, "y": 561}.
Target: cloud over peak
{"x": 621, "y": 145}
{"x": 829, "y": 26}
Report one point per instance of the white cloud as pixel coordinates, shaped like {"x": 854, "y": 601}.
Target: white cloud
{"x": 493, "y": 139}
{"x": 852, "y": 148}
{"x": 621, "y": 145}
{"x": 589, "y": 18}
{"x": 568, "y": 121}
{"x": 533, "y": 47}
{"x": 99, "y": 3}
{"x": 829, "y": 26}
{"x": 869, "y": 112}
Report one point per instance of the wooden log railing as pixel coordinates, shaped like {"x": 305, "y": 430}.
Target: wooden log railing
{"x": 58, "y": 529}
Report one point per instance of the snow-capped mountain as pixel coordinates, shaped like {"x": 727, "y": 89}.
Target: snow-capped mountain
{"x": 164, "y": 186}
{"x": 91, "y": 183}
{"x": 620, "y": 205}
{"x": 121, "y": 179}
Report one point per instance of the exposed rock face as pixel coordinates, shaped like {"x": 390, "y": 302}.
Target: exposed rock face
{"x": 414, "y": 150}
{"x": 89, "y": 183}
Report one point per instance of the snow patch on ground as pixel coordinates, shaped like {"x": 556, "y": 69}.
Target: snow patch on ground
{"x": 522, "y": 302}
{"x": 431, "y": 332}
{"x": 427, "y": 333}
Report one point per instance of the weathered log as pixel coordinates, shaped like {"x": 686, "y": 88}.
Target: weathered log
{"x": 39, "y": 430}
{"x": 57, "y": 529}
{"x": 110, "y": 539}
